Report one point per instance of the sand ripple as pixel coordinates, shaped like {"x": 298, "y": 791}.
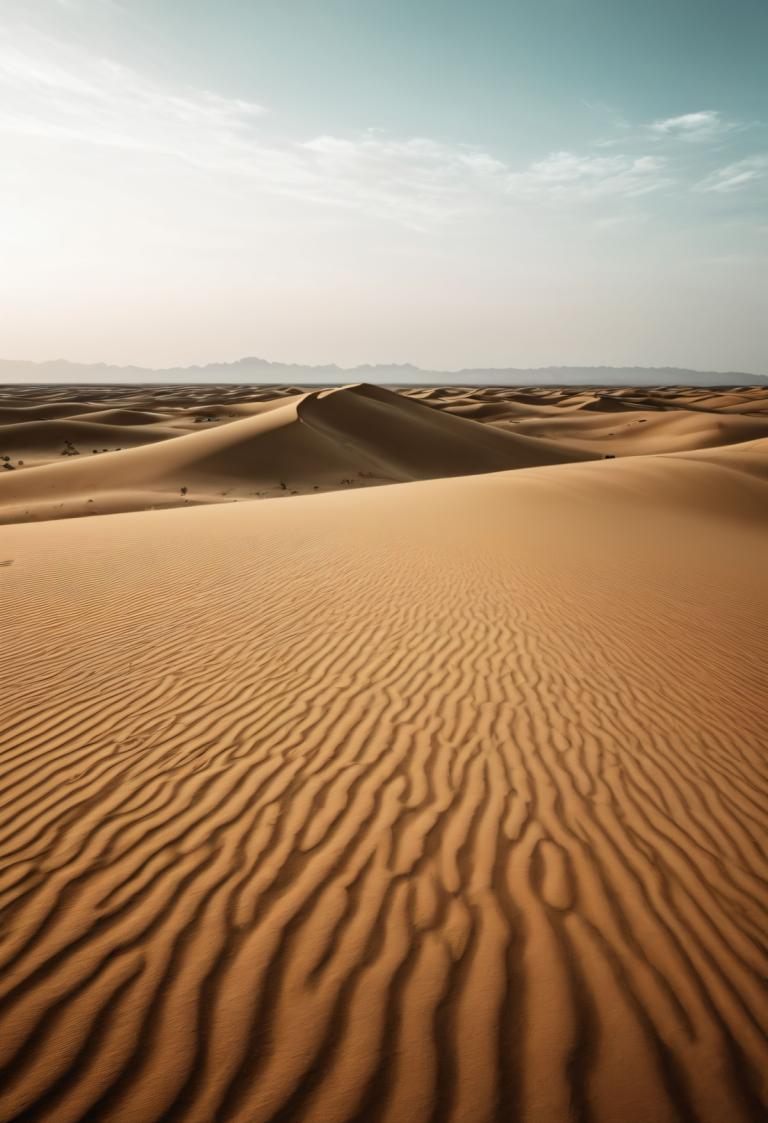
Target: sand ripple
{"x": 443, "y": 801}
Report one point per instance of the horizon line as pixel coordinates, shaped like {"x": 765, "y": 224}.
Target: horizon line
{"x": 255, "y": 359}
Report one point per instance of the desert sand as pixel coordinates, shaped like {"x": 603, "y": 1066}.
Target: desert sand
{"x": 410, "y": 766}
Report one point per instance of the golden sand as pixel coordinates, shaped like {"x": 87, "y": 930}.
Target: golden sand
{"x": 442, "y": 800}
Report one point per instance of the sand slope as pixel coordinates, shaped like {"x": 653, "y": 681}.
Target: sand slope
{"x": 45, "y": 441}
{"x": 439, "y": 801}
{"x": 639, "y": 432}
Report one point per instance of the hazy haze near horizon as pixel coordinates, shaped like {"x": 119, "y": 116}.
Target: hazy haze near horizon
{"x": 488, "y": 185}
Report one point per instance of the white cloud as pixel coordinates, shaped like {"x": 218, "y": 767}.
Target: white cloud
{"x": 60, "y": 94}
{"x": 429, "y": 177}
{"x": 78, "y": 103}
{"x": 704, "y": 125}
{"x": 76, "y": 100}
{"x": 568, "y": 175}
{"x": 99, "y": 101}
{"x": 735, "y": 176}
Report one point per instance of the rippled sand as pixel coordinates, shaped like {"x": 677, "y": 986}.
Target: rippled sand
{"x": 443, "y": 800}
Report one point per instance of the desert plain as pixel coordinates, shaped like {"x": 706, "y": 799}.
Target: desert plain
{"x": 384, "y": 755}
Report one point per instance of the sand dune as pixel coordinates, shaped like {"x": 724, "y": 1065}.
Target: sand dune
{"x": 43, "y": 441}
{"x": 437, "y": 801}
{"x": 12, "y": 412}
{"x": 118, "y": 416}
{"x": 641, "y": 432}
{"x": 354, "y": 436}
{"x": 181, "y": 446}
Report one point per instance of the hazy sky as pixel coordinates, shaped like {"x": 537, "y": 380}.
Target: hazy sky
{"x": 447, "y": 182}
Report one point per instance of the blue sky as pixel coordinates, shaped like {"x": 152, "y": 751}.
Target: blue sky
{"x": 447, "y": 183}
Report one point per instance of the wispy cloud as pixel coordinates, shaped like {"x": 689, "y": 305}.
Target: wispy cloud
{"x": 98, "y": 102}
{"x": 84, "y": 5}
{"x": 429, "y": 176}
{"x": 103, "y": 102}
{"x": 566, "y": 174}
{"x": 733, "y": 177}
{"x": 706, "y": 124}
{"x": 66, "y": 97}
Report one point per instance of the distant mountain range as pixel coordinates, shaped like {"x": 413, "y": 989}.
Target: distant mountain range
{"x": 254, "y": 370}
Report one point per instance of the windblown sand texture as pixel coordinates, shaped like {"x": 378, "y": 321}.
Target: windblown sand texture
{"x": 443, "y": 800}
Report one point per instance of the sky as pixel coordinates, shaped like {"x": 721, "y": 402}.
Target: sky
{"x": 452, "y": 183}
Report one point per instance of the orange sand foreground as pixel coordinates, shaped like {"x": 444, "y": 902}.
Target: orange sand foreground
{"x": 442, "y": 800}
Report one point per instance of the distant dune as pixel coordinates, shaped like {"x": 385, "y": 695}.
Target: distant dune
{"x": 438, "y": 797}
